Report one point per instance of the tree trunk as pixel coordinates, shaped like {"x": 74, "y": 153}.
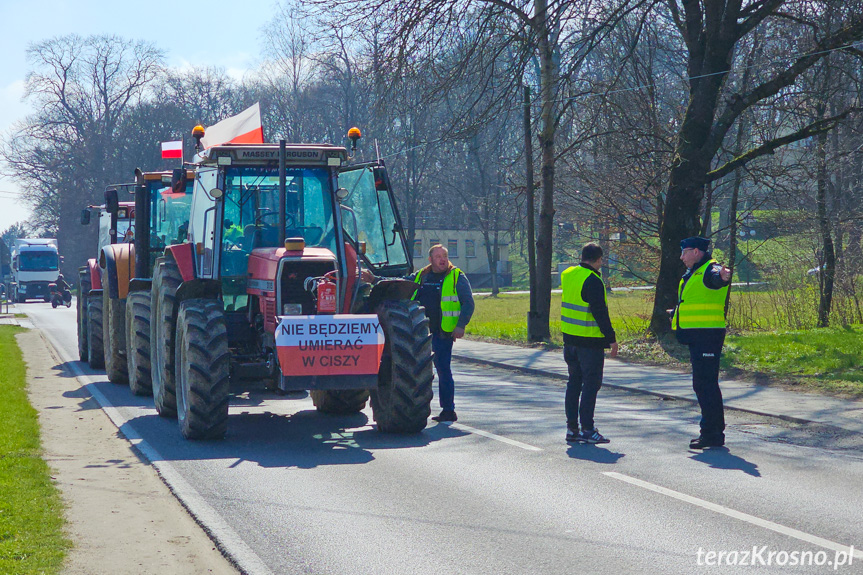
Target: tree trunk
{"x": 544, "y": 245}
{"x": 828, "y": 266}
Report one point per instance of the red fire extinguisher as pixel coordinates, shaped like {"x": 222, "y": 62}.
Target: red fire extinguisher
{"x": 326, "y": 296}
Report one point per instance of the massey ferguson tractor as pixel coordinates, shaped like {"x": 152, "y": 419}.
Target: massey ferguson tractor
{"x": 115, "y": 225}
{"x": 269, "y": 286}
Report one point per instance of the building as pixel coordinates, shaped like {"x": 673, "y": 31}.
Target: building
{"x": 467, "y": 251}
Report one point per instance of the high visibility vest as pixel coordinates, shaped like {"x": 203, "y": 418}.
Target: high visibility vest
{"x": 575, "y": 316}
{"x": 699, "y": 307}
{"x": 450, "y": 307}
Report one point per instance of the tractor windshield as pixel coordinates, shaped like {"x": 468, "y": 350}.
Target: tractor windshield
{"x": 376, "y": 222}
{"x": 252, "y": 208}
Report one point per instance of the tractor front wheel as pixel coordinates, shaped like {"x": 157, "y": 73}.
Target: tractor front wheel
{"x": 114, "y": 338}
{"x": 166, "y": 280}
{"x": 138, "y": 342}
{"x": 402, "y": 401}
{"x": 83, "y": 291}
{"x": 203, "y": 363}
{"x": 95, "y": 350}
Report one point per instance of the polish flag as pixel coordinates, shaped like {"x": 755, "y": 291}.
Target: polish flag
{"x": 172, "y": 149}
{"x": 244, "y": 128}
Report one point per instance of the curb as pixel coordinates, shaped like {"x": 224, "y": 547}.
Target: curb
{"x": 551, "y": 374}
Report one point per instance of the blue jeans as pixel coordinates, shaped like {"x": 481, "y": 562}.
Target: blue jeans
{"x": 585, "y": 378}
{"x": 442, "y": 348}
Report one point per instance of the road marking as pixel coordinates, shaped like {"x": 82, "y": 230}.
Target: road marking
{"x": 781, "y": 529}
{"x": 500, "y": 438}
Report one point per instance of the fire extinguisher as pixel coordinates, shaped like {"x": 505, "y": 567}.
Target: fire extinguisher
{"x": 326, "y": 296}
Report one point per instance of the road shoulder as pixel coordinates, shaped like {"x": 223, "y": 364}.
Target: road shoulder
{"x": 121, "y": 517}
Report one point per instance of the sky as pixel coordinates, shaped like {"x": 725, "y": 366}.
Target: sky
{"x": 188, "y": 33}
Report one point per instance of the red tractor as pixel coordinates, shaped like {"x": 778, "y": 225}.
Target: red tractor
{"x": 270, "y": 285}
{"x": 115, "y": 227}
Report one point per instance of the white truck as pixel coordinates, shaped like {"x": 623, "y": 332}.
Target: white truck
{"x": 35, "y": 264}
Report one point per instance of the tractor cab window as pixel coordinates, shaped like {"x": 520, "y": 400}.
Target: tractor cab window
{"x": 376, "y": 222}
{"x": 169, "y": 215}
{"x": 251, "y": 219}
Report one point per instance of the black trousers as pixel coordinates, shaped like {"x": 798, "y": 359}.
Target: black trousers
{"x": 705, "y": 383}
{"x": 585, "y": 378}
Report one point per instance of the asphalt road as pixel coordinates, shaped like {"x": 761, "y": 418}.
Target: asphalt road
{"x": 293, "y": 491}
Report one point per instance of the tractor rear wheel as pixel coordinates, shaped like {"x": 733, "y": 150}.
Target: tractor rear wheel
{"x": 138, "y": 342}
{"x": 114, "y": 338}
{"x": 83, "y": 290}
{"x": 339, "y": 401}
{"x": 166, "y": 280}
{"x": 202, "y": 368}
{"x": 402, "y": 401}
{"x": 95, "y": 350}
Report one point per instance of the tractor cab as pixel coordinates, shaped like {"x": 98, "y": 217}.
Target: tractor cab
{"x": 335, "y": 221}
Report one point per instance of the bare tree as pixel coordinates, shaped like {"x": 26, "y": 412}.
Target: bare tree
{"x": 711, "y": 31}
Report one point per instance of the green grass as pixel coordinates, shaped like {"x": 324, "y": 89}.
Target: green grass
{"x": 31, "y": 511}
{"x": 820, "y": 359}
{"x": 826, "y": 358}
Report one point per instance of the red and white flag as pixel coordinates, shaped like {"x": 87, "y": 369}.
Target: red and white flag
{"x": 244, "y": 128}
{"x": 172, "y": 149}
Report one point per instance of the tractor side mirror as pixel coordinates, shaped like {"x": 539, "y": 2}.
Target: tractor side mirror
{"x": 85, "y": 217}
{"x": 380, "y": 175}
{"x": 112, "y": 204}
{"x": 178, "y": 181}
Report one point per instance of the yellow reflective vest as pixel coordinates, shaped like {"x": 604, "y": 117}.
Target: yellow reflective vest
{"x": 450, "y": 307}
{"x": 698, "y": 306}
{"x": 575, "y": 316}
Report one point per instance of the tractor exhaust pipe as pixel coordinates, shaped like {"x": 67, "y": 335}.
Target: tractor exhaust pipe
{"x": 282, "y": 194}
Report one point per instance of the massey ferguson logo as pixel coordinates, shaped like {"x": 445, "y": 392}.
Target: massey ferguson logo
{"x": 274, "y": 154}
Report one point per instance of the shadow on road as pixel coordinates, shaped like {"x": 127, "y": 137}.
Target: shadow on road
{"x": 304, "y": 440}
{"x": 721, "y": 458}
{"x": 593, "y": 453}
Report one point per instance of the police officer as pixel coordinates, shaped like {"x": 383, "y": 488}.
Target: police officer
{"x": 445, "y": 293}
{"x": 699, "y": 322}
{"x": 587, "y": 331}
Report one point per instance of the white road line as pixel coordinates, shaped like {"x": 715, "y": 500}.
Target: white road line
{"x": 500, "y": 438}
{"x": 204, "y": 514}
{"x": 815, "y": 540}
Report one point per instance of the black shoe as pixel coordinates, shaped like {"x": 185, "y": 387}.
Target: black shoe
{"x": 446, "y": 415}
{"x": 571, "y": 435}
{"x": 703, "y": 443}
{"x": 591, "y": 436}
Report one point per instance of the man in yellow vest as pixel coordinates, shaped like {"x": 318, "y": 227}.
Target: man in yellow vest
{"x": 587, "y": 331}
{"x": 699, "y": 322}
{"x": 445, "y": 293}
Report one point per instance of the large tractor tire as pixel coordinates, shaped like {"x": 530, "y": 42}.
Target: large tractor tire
{"x": 202, "y": 368}
{"x": 166, "y": 280}
{"x": 114, "y": 338}
{"x": 83, "y": 290}
{"x": 138, "y": 342}
{"x": 340, "y": 401}
{"x": 95, "y": 349}
{"x": 402, "y": 401}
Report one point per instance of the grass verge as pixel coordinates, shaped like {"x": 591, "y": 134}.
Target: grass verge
{"x": 829, "y": 359}
{"x": 31, "y": 511}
